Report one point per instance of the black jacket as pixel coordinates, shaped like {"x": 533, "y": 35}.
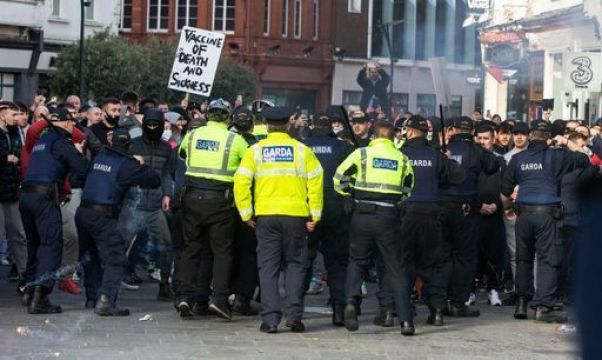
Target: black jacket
{"x": 10, "y": 174}
{"x": 377, "y": 88}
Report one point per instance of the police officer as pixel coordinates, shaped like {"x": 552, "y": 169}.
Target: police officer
{"x": 538, "y": 172}
{"x": 332, "y": 233}
{"x": 461, "y": 211}
{"x": 212, "y": 155}
{"x": 52, "y": 158}
{"x": 260, "y": 131}
{"x": 246, "y": 277}
{"x": 102, "y": 246}
{"x": 421, "y": 228}
{"x": 278, "y": 190}
{"x": 383, "y": 177}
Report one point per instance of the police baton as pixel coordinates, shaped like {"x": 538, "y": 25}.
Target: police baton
{"x": 443, "y": 145}
{"x": 348, "y": 126}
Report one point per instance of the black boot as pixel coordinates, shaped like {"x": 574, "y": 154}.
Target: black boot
{"x": 546, "y": 314}
{"x": 338, "y": 315}
{"x": 350, "y": 316}
{"x": 384, "y": 318}
{"x": 463, "y": 310}
{"x": 40, "y": 304}
{"x": 242, "y": 306}
{"x": 407, "y": 328}
{"x": 165, "y": 292}
{"x": 435, "y": 318}
{"x": 221, "y": 308}
{"x": 27, "y": 296}
{"x": 520, "y": 312}
{"x": 106, "y": 307}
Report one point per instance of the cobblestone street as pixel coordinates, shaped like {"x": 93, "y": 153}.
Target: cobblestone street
{"x": 79, "y": 334}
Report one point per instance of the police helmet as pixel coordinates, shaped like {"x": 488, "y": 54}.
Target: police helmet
{"x": 218, "y": 110}
{"x": 259, "y": 105}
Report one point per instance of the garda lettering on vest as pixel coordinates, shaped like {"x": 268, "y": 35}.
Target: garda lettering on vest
{"x": 531, "y": 166}
{"x": 421, "y": 163}
{"x": 102, "y": 167}
{"x": 207, "y": 145}
{"x": 321, "y": 149}
{"x": 39, "y": 147}
{"x": 386, "y": 164}
{"x": 278, "y": 154}
{"x": 458, "y": 158}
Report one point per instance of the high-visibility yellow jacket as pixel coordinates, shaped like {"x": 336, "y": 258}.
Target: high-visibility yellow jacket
{"x": 260, "y": 131}
{"x": 377, "y": 168}
{"x": 279, "y": 176}
{"x": 212, "y": 152}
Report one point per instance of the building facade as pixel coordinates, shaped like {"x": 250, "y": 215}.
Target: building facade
{"x": 417, "y": 30}
{"x": 287, "y": 42}
{"x": 32, "y": 32}
{"x": 532, "y": 50}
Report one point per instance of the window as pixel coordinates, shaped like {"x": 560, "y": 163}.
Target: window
{"x": 186, "y": 13}
{"x": 351, "y": 98}
{"x": 158, "y": 12}
{"x": 440, "y": 27}
{"x": 385, "y": 11}
{"x": 56, "y": 8}
{"x": 89, "y": 10}
{"x": 316, "y": 19}
{"x": 7, "y": 86}
{"x": 284, "y": 18}
{"x": 455, "y": 107}
{"x": 426, "y": 104}
{"x": 126, "y": 15}
{"x": 223, "y": 15}
{"x": 266, "y": 17}
{"x": 297, "y": 19}
{"x": 354, "y": 6}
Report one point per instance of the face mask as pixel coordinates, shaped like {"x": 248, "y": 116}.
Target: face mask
{"x": 429, "y": 136}
{"x": 112, "y": 120}
{"x": 167, "y": 134}
{"x": 338, "y": 129}
{"x": 153, "y": 134}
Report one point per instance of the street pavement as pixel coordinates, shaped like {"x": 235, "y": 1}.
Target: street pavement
{"x": 79, "y": 334}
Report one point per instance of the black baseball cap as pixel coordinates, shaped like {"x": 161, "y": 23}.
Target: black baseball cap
{"x": 153, "y": 115}
{"x": 463, "y": 123}
{"x": 277, "y": 115}
{"x": 322, "y": 120}
{"x": 540, "y": 125}
{"x": 121, "y": 138}
{"x": 520, "y": 128}
{"x": 60, "y": 114}
{"x": 358, "y": 116}
{"x": 417, "y": 122}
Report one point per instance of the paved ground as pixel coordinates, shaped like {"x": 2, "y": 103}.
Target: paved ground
{"x": 79, "y": 334}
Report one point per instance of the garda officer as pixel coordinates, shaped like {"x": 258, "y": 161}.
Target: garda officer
{"x": 421, "y": 234}
{"x": 260, "y": 130}
{"x": 383, "y": 177}
{"x": 102, "y": 246}
{"x": 52, "y": 158}
{"x": 212, "y": 155}
{"x": 538, "y": 172}
{"x": 246, "y": 277}
{"x": 279, "y": 187}
{"x": 332, "y": 233}
{"x": 461, "y": 211}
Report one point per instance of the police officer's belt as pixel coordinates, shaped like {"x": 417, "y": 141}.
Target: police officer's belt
{"x": 44, "y": 189}
{"x": 369, "y": 207}
{"x": 205, "y": 194}
{"x": 539, "y": 209}
{"x": 467, "y": 207}
{"x": 416, "y": 209}
{"x": 108, "y": 211}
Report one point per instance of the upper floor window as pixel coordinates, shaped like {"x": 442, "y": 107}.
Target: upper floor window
{"x": 89, "y": 10}
{"x": 223, "y": 15}
{"x": 297, "y": 19}
{"x": 316, "y": 15}
{"x": 266, "y": 17}
{"x": 284, "y": 19}
{"x": 126, "y": 15}
{"x": 158, "y": 12}
{"x": 354, "y": 6}
{"x": 186, "y": 13}
{"x": 56, "y": 8}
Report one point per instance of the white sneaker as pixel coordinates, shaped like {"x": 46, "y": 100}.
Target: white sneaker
{"x": 76, "y": 277}
{"x": 155, "y": 275}
{"x": 494, "y": 298}
{"x": 4, "y": 262}
{"x": 364, "y": 289}
{"x": 472, "y": 299}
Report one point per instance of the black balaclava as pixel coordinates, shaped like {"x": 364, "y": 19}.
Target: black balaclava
{"x": 153, "y": 117}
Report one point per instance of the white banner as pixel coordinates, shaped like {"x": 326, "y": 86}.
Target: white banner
{"x": 196, "y": 61}
{"x": 581, "y": 71}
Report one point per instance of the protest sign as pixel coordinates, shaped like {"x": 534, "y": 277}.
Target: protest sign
{"x": 196, "y": 61}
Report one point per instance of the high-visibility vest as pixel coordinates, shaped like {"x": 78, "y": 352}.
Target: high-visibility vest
{"x": 213, "y": 152}
{"x": 260, "y": 131}
{"x": 379, "y": 168}
{"x": 279, "y": 176}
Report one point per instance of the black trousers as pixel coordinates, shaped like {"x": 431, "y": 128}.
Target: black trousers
{"x": 101, "y": 252}
{"x": 570, "y": 238}
{"x": 492, "y": 248}
{"x": 44, "y": 230}
{"x": 331, "y": 238}
{"x": 245, "y": 276}
{"x": 207, "y": 223}
{"x": 281, "y": 245}
{"x": 537, "y": 234}
{"x": 372, "y": 230}
{"x": 422, "y": 251}
{"x": 459, "y": 252}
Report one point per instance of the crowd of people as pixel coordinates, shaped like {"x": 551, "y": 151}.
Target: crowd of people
{"x": 214, "y": 201}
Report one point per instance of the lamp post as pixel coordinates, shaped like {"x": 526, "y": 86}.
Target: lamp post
{"x": 82, "y": 84}
{"x": 386, "y": 28}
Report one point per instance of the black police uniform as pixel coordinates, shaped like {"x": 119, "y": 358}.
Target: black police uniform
{"x": 331, "y": 236}
{"x": 421, "y": 228}
{"x": 52, "y": 158}
{"x": 102, "y": 246}
{"x": 538, "y": 172}
{"x": 461, "y": 210}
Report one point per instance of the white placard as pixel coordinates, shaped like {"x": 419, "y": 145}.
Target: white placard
{"x": 581, "y": 71}
{"x": 196, "y": 61}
